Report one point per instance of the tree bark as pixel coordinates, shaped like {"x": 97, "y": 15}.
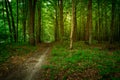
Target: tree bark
{"x": 3, "y": 13}
{"x": 61, "y": 20}
{"x": 112, "y": 22}
{"x": 88, "y": 36}
{"x": 8, "y": 19}
{"x": 32, "y": 4}
{"x": 56, "y": 22}
{"x": 73, "y": 24}
{"x": 13, "y": 23}
{"x": 25, "y": 12}
{"x": 90, "y": 22}
{"x": 106, "y": 23}
{"x": 99, "y": 21}
{"x": 75, "y": 37}
{"x": 17, "y": 22}
{"x": 38, "y": 31}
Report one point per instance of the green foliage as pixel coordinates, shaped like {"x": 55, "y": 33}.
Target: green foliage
{"x": 8, "y": 50}
{"x": 47, "y": 67}
{"x": 3, "y": 32}
{"x": 84, "y": 57}
{"x": 4, "y": 54}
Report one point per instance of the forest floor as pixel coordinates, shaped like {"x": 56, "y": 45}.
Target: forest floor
{"x": 25, "y": 67}
{"x": 58, "y": 62}
{"x": 83, "y": 62}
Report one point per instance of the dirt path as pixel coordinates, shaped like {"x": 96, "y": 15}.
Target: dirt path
{"x": 30, "y": 67}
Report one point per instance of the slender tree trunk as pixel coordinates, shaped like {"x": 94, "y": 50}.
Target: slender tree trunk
{"x": 13, "y": 23}
{"x": 106, "y": 23}
{"x": 75, "y": 37}
{"x": 9, "y": 23}
{"x": 84, "y": 31}
{"x": 17, "y": 22}
{"x": 61, "y": 20}
{"x": 90, "y": 23}
{"x": 24, "y": 30}
{"x": 25, "y": 12}
{"x": 88, "y": 36}
{"x": 56, "y": 26}
{"x": 96, "y": 28}
{"x": 38, "y": 32}
{"x": 87, "y": 29}
{"x": 102, "y": 24}
{"x": 112, "y": 22}
{"x": 99, "y": 21}
{"x": 73, "y": 24}
{"x": 119, "y": 27}
{"x": 3, "y": 4}
{"x": 56, "y": 22}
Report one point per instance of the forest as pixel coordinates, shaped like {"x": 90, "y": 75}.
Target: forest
{"x": 59, "y": 39}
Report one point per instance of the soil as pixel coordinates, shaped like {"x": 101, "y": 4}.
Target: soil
{"x": 25, "y": 67}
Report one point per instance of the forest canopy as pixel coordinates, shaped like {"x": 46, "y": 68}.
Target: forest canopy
{"x": 36, "y": 21}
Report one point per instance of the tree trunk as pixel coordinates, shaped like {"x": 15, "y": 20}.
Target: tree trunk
{"x": 38, "y": 31}
{"x": 118, "y": 20}
{"x": 88, "y": 36}
{"x": 112, "y": 22}
{"x": 73, "y": 24}
{"x": 24, "y": 30}
{"x": 61, "y": 20}
{"x": 32, "y": 4}
{"x": 99, "y": 22}
{"x": 25, "y": 12}
{"x": 13, "y": 23}
{"x": 90, "y": 22}
{"x": 17, "y": 22}
{"x": 9, "y": 23}
{"x": 106, "y": 23}
{"x": 75, "y": 37}
{"x": 87, "y": 31}
{"x": 56, "y": 22}
{"x": 3, "y": 13}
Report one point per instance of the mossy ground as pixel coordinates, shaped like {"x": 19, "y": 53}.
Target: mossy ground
{"x": 83, "y": 62}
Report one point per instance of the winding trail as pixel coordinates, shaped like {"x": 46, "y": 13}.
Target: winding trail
{"x": 37, "y": 66}
{"x": 28, "y": 70}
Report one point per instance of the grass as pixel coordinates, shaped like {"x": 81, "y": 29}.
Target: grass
{"x": 8, "y": 50}
{"x": 82, "y": 61}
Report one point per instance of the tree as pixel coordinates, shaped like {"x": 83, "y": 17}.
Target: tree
{"x": 61, "y": 20}
{"x": 17, "y": 21}
{"x": 38, "y": 28}
{"x": 99, "y": 21}
{"x": 13, "y": 23}
{"x": 88, "y": 35}
{"x": 32, "y": 5}
{"x": 50, "y": 20}
{"x": 3, "y": 4}
{"x": 56, "y": 21}
{"x": 73, "y": 24}
{"x": 90, "y": 22}
{"x": 24, "y": 18}
{"x": 9, "y": 22}
{"x": 75, "y": 37}
{"x": 112, "y": 22}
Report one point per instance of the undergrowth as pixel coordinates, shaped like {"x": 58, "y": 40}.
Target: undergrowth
{"x": 8, "y": 50}
{"x": 65, "y": 62}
